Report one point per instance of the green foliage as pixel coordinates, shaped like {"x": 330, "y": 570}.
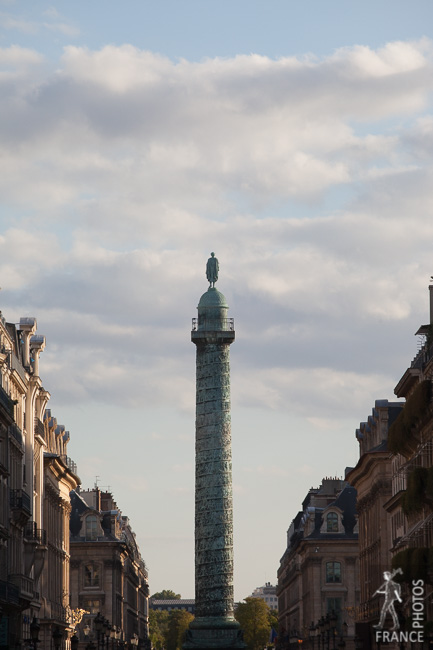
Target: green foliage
{"x": 401, "y": 438}
{"x": 413, "y": 498}
{"x": 166, "y": 594}
{"x": 419, "y": 564}
{"x": 158, "y": 626}
{"x": 419, "y": 490}
{"x": 402, "y": 560}
{"x": 178, "y": 622}
{"x": 416, "y": 564}
{"x": 167, "y": 629}
{"x": 273, "y": 619}
{"x": 253, "y": 616}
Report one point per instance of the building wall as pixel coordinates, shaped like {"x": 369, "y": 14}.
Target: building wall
{"x": 318, "y": 573}
{"x": 29, "y": 530}
{"x": 108, "y": 574}
{"x": 268, "y": 593}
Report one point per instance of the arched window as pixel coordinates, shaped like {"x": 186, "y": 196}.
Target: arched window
{"x": 91, "y": 528}
{"x": 332, "y": 522}
{"x": 333, "y": 572}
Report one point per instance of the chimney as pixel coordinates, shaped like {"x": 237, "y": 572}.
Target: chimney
{"x": 28, "y": 328}
{"x": 431, "y": 303}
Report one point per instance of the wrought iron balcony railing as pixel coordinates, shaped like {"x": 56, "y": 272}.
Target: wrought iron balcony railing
{"x": 9, "y": 593}
{"x": 16, "y": 433}
{"x": 18, "y": 499}
{"x": 6, "y": 402}
{"x": 35, "y": 534}
{"x": 39, "y": 428}
{"x": 213, "y": 324}
{"x": 24, "y": 584}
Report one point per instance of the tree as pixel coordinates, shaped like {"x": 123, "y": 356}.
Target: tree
{"x": 273, "y": 618}
{"x": 166, "y": 594}
{"x": 253, "y": 616}
{"x": 178, "y": 622}
{"x": 273, "y": 622}
{"x": 158, "y": 627}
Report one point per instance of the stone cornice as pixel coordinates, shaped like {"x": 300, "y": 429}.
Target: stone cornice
{"x": 368, "y": 461}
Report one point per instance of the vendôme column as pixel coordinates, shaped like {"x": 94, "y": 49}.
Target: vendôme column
{"x": 213, "y": 332}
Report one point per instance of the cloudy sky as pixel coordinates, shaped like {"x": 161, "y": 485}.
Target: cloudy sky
{"x": 293, "y": 139}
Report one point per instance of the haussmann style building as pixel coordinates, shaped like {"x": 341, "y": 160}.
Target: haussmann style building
{"x": 108, "y": 575}
{"x": 36, "y": 476}
{"x": 318, "y": 577}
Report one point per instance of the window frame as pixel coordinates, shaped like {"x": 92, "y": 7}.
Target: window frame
{"x": 332, "y": 522}
{"x": 331, "y": 575}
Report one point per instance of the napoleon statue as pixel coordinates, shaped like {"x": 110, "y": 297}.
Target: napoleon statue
{"x": 212, "y": 268}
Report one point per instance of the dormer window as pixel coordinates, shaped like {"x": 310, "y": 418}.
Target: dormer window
{"x": 91, "y": 528}
{"x": 332, "y": 522}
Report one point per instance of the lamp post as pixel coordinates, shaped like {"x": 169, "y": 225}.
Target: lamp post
{"x": 311, "y": 631}
{"x": 107, "y": 630}
{"x": 333, "y": 619}
{"x": 34, "y": 632}
{"x": 98, "y": 623}
{"x": 57, "y": 637}
{"x": 321, "y": 625}
{"x": 75, "y": 641}
{"x": 327, "y": 628}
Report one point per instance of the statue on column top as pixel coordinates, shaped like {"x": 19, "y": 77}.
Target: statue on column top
{"x": 212, "y": 268}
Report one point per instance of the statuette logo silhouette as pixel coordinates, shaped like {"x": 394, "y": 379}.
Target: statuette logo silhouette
{"x": 392, "y": 592}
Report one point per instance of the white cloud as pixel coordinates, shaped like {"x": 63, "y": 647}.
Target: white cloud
{"x": 121, "y": 170}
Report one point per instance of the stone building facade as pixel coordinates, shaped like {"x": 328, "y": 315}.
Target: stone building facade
{"x": 319, "y": 571}
{"x": 26, "y": 531}
{"x": 108, "y": 574}
{"x": 188, "y": 604}
{"x": 268, "y": 593}
{"x": 394, "y": 479}
{"x": 372, "y": 478}
{"x": 410, "y": 508}
{"x": 60, "y": 477}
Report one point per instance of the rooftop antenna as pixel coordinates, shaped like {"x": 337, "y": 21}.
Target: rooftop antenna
{"x": 96, "y": 481}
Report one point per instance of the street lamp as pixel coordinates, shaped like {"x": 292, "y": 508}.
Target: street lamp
{"x": 327, "y": 628}
{"x": 311, "y": 631}
{"x": 98, "y": 623}
{"x": 321, "y": 625}
{"x": 57, "y": 637}
{"x": 333, "y": 621}
{"x": 34, "y": 632}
